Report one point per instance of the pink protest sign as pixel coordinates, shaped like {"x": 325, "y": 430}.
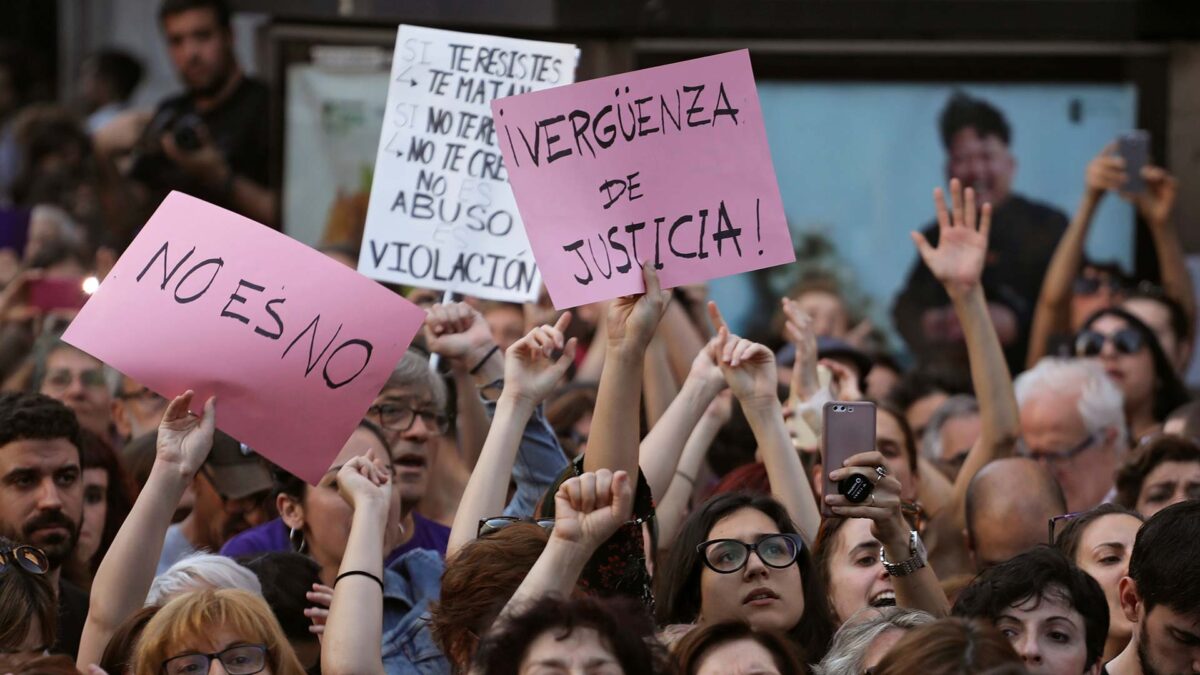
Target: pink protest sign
{"x": 667, "y": 165}
{"x": 293, "y": 344}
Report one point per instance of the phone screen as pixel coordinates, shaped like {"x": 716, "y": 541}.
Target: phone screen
{"x": 51, "y": 294}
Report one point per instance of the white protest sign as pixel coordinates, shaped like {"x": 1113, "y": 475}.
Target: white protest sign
{"x": 441, "y": 213}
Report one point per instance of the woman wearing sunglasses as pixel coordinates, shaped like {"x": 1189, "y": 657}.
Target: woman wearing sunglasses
{"x": 232, "y": 627}
{"x": 1131, "y": 355}
{"x": 28, "y": 603}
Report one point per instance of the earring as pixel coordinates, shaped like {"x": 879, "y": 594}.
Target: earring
{"x": 293, "y": 534}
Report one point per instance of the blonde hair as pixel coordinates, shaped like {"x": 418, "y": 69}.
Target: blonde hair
{"x": 191, "y": 618}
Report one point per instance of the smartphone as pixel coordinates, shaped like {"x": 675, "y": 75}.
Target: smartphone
{"x": 51, "y": 294}
{"x": 1134, "y": 148}
{"x": 848, "y": 428}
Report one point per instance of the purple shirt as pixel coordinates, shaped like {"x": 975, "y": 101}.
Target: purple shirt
{"x": 272, "y": 537}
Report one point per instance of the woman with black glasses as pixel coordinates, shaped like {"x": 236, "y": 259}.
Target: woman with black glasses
{"x": 1131, "y": 355}
{"x": 28, "y": 606}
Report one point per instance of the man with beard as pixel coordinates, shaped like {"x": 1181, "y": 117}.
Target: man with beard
{"x": 211, "y": 141}
{"x": 230, "y": 493}
{"x": 977, "y": 140}
{"x": 1161, "y": 596}
{"x": 41, "y": 494}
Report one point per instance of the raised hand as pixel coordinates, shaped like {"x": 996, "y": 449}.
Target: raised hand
{"x": 749, "y": 368}
{"x": 1105, "y": 172}
{"x": 458, "y": 333}
{"x": 1156, "y": 202}
{"x": 632, "y": 319}
{"x": 799, "y": 330}
{"x": 705, "y": 368}
{"x": 530, "y": 371}
{"x": 590, "y": 507}
{"x": 366, "y": 479}
{"x": 844, "y": 382}
{"x": 185, "y": 438}
{"x": 321, "y": 597}
{"x": 882, "y": 507}
{"x": 958, "y": 260}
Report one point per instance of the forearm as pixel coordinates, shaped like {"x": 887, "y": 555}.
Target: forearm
{"x": 488, "y": 485}
{"x": 473, "y": 421}
{"x": 784, "y": 470}
{"x": 673, "y": 508}
{"x": 592, "y": 366}
{"x": 1176, "y": 281}
{"x": 128, "y": 568}
{"x": 919, "y": 590}
{"x": 678, "y": 331}
{"x": 660, "y": 451}
{"x": 255, "y": 201}
{"x": 354, "y": 629}
{"x": 555, "y": 573}
{"x": 1068, "y": 256}
{"x": 613, "y": 442}
{"x": 999, "y": 416}
{"x": 658, "y": 382}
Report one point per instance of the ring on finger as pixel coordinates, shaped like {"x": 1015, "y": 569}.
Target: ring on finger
{"x": 872, "y": 499}
{"x": 880, "y": 473}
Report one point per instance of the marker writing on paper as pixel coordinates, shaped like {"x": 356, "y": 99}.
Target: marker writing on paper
{"x": 341, "y": 364}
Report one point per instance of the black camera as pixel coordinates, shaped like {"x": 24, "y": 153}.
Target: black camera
{"x": 185, "y": 130}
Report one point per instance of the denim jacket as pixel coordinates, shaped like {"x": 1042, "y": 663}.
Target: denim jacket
{"x": 540, "y": 460}
{"x": 410, "y": 583}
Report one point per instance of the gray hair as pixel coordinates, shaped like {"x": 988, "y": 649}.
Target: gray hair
{"x": 414, "y": 372}
{"x": 850, "y": 644}
{"x": 1101, "y": 404}
{"x": 51, "y": 342}
{"x": 959, "y": 405}
{"x": 201, "y": 571}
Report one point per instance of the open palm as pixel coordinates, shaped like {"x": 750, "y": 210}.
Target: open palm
{"x": 185, "y": 439}
{"x": 957, "y": 261}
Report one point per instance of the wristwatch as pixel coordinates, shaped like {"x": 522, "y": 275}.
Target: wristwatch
{"x": 916, "y": 560}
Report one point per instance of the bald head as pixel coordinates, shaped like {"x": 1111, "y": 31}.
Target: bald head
{"x": 1009, "y": 503}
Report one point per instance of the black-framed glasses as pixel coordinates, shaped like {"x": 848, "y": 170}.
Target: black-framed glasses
{"x": 239, "y": 660}
{"x": 496, "y": 523}
{"x": 1054, "y": 521}
{"x": 1087, "y": 286}
{"x": 726, "y": 556}
{"x": 1053, "y": 458}
{"x": 29, "y": 558}
{"x": 1091, "y": 343}
{"x": 402, "y": 418}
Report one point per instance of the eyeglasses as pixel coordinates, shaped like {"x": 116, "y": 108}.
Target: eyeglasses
{"x": 1056, "y": 457}
{"x": 62, "y": 378}
{"x": 402, "y": 418}
{"x": 29, "y": 558}
{"x": 1091, "y": 343}
{"x": 1092, "y": 285}
{"x": 726, "y": 556}
{"x": 496, "y": 523}
{"x": 239, "y": 660}
{"x": 145, "y": 394}
{"x": 1056, "y": 519}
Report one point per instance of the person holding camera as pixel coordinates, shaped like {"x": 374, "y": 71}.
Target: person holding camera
{"x": 210, "y": 141}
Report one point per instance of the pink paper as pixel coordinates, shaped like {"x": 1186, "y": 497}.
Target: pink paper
{"x": 686, "y": 180}
{"x": 294, "y": 344}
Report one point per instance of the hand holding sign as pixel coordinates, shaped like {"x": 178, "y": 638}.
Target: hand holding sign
{"x": 632, "y": 319}
{"x": 184, "y": 438}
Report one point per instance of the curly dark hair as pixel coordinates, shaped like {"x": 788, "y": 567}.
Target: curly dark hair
{"x": 1164, "y": 559}
{"x": 1132, "y": 474}
{"x": 30, "y": 416}
{"x": 678, "y": 579}
{"x": 1037, "y": 574}
{"x": 622, "y": 624}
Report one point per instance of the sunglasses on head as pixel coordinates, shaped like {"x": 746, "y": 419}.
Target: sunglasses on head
{"x": 496, "y": 523}
{"x": 1091, "y": 343}
{"x": 1064, "y": 518}
{"x": 29, "y": 558}
{"x": 1091, "y": 285}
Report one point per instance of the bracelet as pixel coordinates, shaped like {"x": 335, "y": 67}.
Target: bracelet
{"x": 359, "y": 573}
{"x": 686, "y": 477}
{"x": 493, "y": 350}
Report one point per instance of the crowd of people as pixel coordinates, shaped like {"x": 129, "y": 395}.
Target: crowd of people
{"x": 627, "y": 487}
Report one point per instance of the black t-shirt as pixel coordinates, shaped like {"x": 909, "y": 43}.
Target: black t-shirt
{"x": 72, "y": 613}
{"x": 1023, "y": 237}
{"x": 239, "y": 128}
